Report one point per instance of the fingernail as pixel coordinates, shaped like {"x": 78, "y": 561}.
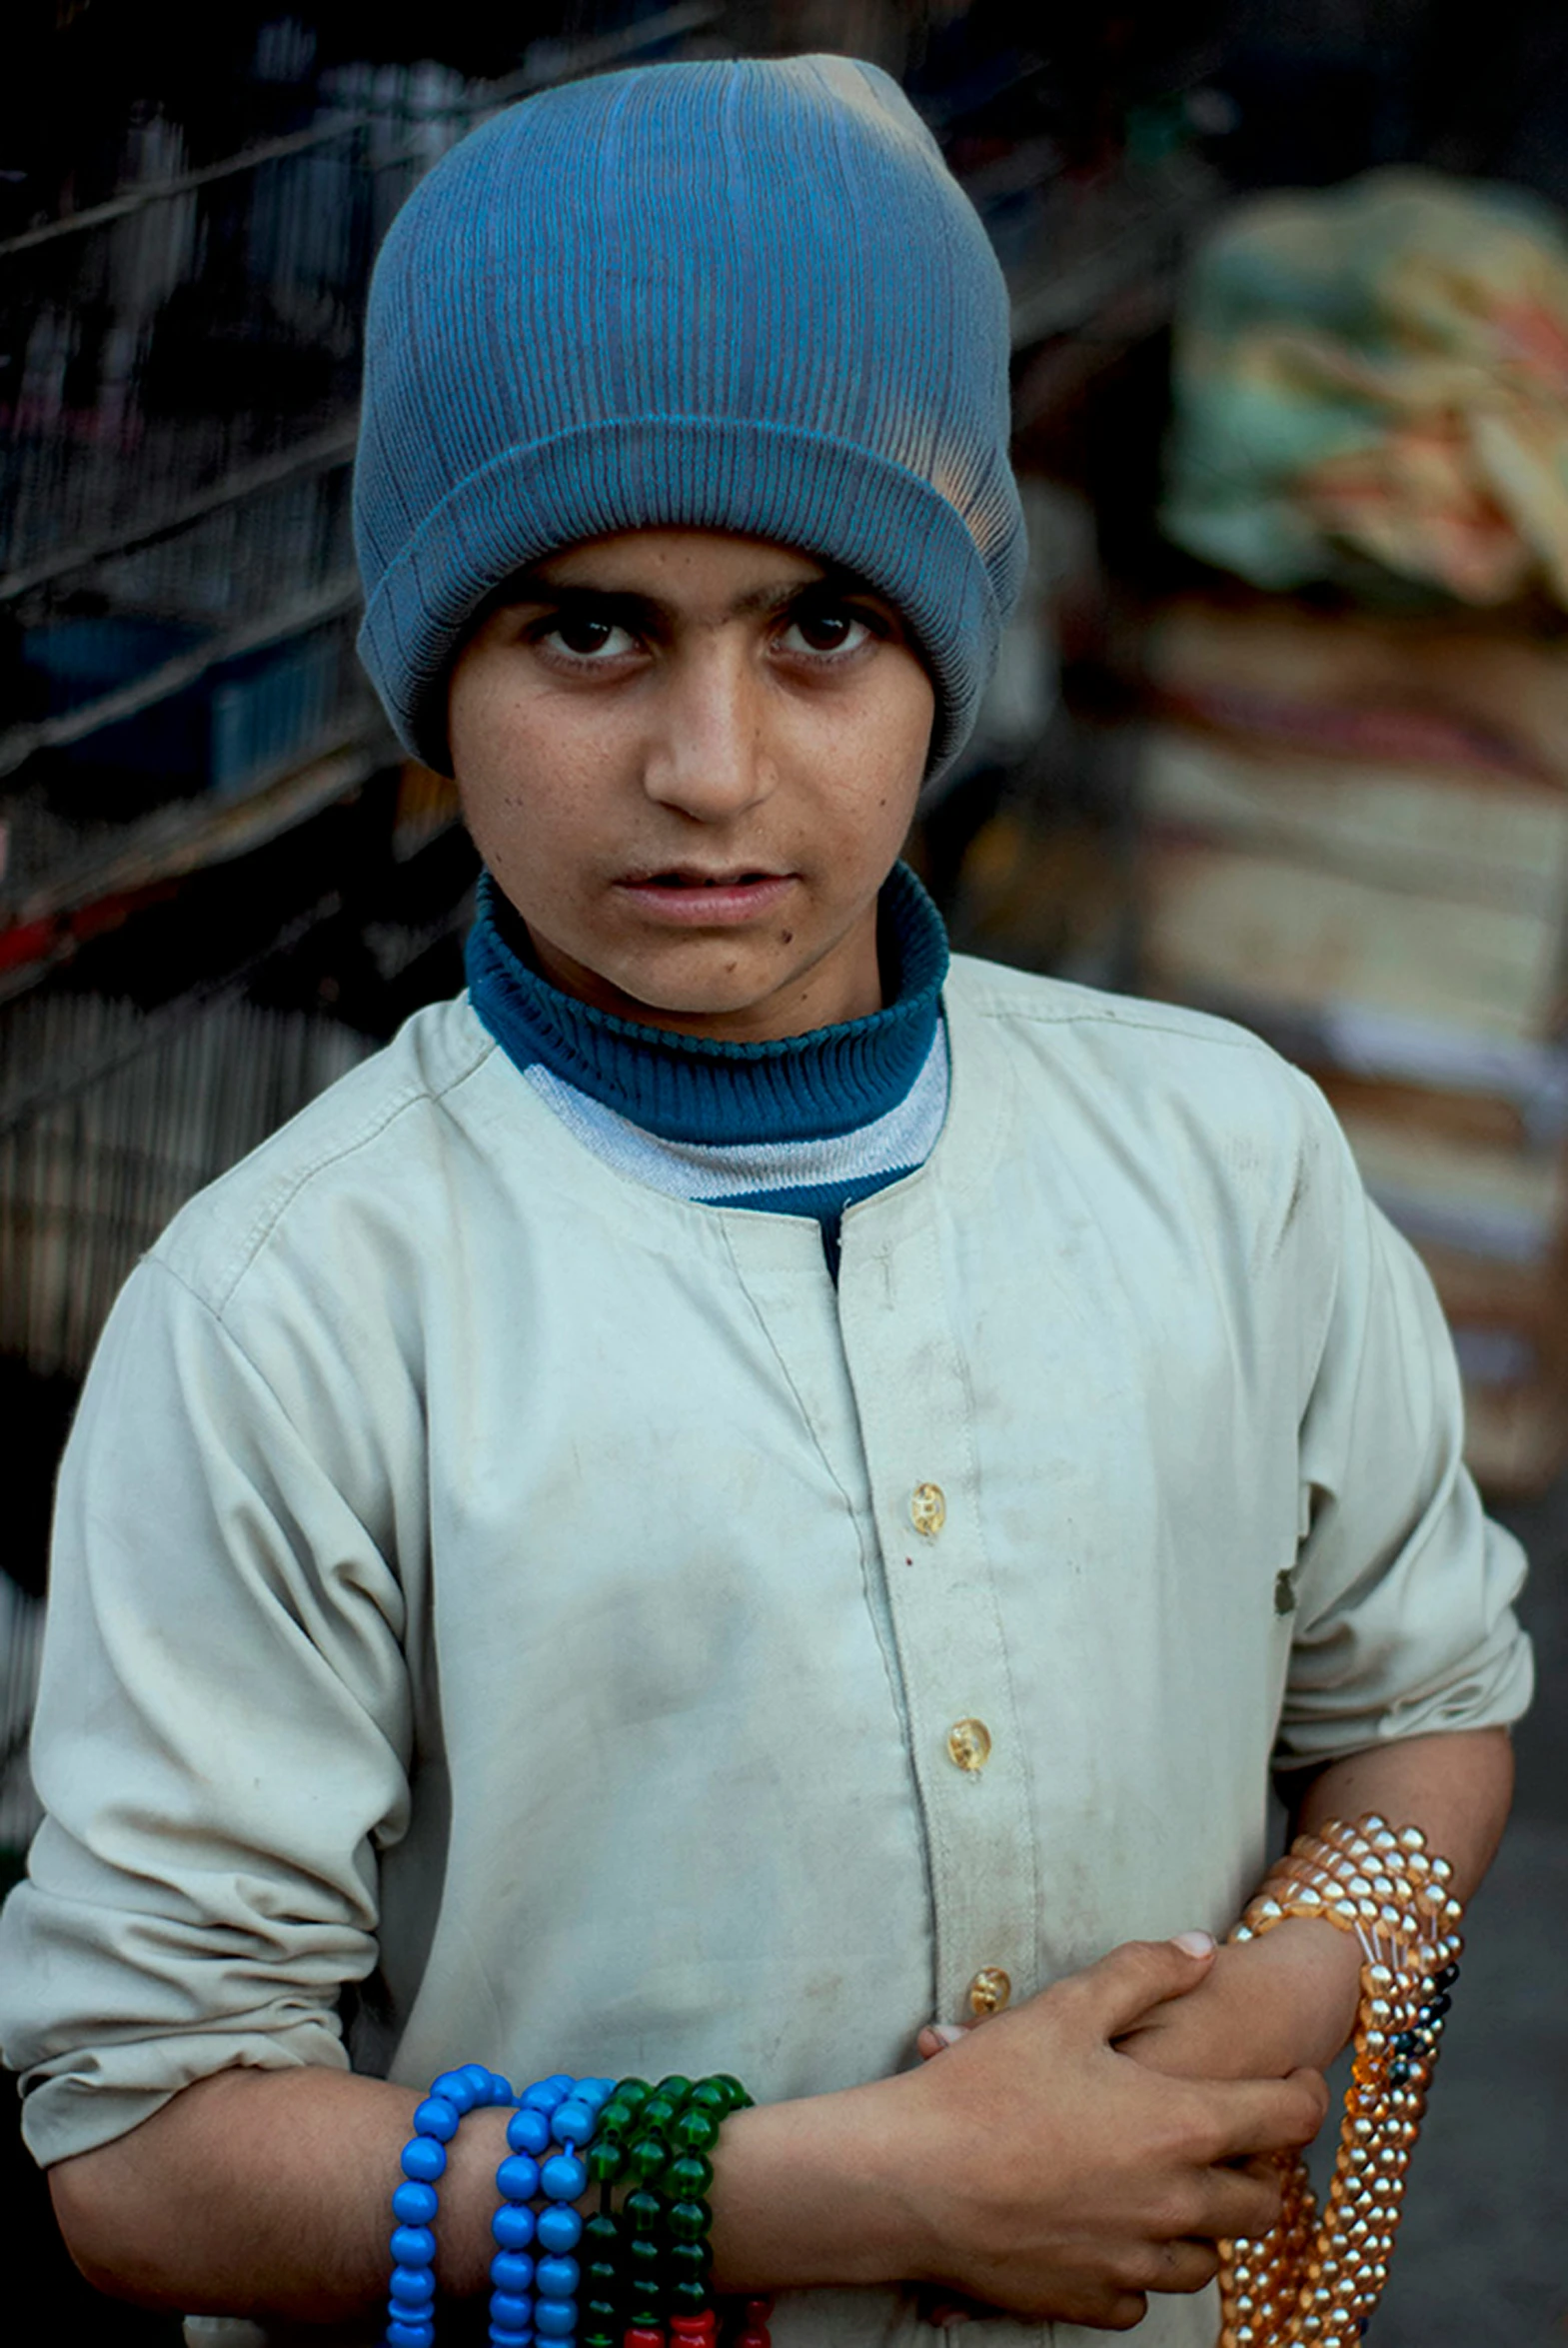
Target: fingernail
{"x": 949, "y": 2032}
{"x": 1194, "y": 1943}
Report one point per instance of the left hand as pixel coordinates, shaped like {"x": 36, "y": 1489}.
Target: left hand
{"x": 1268, "y": 2007}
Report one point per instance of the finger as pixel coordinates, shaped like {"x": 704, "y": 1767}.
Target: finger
{"x": 1267, "y": 2168}
{"x": 1240, "y": 2206}
{"x": 937, "y": 2035}
{"x": 1185, "y": 2264}
{"x": 1266, "y": 2115}
{"x": 1141, "y": 1973}
{"x": 1316, "y": 2089}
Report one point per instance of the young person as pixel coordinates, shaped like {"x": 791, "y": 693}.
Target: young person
{"x": 742, "y": 1490}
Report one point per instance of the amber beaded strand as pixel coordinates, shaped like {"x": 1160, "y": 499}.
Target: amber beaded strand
{"x": 1313, "y": 2281}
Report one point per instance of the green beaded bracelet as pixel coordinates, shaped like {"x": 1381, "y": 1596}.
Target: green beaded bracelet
{"x": 649, "y": 2264}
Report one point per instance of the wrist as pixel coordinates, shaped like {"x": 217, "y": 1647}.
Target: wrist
{"x": 1316, "y": 1972}
{"x": 1281, "y": 2002}
{"x": 468, "y": 2200}
{"x": 814, "y": 2193}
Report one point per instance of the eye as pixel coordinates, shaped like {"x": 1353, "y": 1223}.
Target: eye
{"x": 585, "y": 637}
{"x": 826, "y": 631}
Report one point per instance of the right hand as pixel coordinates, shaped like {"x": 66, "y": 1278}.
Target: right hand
{"x": 1052, "y": 2176}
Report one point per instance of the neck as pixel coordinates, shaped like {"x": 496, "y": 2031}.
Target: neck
{"x": 701, "y": 1089}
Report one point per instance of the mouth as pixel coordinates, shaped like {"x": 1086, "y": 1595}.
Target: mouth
{"x": 696, "y": 895}
{"x": 692, "y": 876}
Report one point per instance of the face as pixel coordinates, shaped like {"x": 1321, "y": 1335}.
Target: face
{"x": 689, "y": 762}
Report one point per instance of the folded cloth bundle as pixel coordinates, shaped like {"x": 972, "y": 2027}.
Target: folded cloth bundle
{"x": 1378, "y": 370}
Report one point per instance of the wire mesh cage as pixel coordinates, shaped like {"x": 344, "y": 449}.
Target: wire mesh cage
{"x": 179, "y": 371}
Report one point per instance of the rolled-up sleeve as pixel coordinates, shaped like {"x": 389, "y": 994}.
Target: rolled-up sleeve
{"x": 221, "y": 1739}
{"x": 1403, "y": 1587}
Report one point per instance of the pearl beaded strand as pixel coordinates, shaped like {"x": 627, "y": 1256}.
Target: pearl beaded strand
{"x": 1313, "y": 2281}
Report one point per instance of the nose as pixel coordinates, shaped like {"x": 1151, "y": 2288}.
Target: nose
{"x": 708, "y": 753}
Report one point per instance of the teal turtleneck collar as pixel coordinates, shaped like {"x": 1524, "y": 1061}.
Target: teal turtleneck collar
{"x": 693, "y": 1089}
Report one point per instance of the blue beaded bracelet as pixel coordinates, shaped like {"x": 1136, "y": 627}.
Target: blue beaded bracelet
{"x": 411, "y": 2309}
{"x": 538, "y": 2251}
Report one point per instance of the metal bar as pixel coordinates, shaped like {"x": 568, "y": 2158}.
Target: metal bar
{"x": 175, "y": 842}
{"x": 588, "y": 57}
{"x": 668, "y": 25}
{"x": 92, "y": 1068}
{"x": 21, "y": 743}
{"x": 162, "y": 190}
{"x": 316, "y": 455}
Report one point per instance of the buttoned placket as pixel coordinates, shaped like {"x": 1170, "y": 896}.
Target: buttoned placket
{"x": 911, "y": 1385}
{"x": 876, "y": 1370}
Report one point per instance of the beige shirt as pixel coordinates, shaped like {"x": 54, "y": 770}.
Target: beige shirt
{"x": 561, "y": 1610}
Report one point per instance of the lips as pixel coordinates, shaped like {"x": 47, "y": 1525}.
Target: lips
{"x": 688, "y": 877}
{"x": 688, "y": 894}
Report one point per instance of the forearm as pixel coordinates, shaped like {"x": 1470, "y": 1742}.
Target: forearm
{"x": 1289, "y": 1997}
{"x": 1037, "y": 2169}
{"x": 1456, "y": 1789}
{"x": 268, "y": 2194}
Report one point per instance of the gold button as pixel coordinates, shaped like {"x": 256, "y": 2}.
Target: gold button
{"x": 928, "y": 1508}
{"x": 969, "y": 1745}
{"x": 990, "y": 1990}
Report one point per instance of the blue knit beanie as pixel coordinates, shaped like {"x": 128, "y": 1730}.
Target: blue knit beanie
{"x": 731, "y": 296}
